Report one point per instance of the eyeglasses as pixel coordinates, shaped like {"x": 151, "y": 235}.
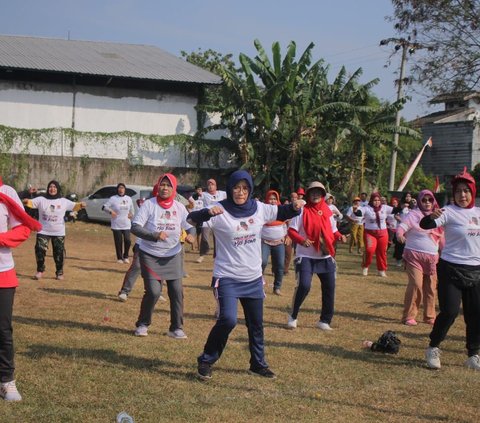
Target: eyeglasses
{"x": 427, "y": 200}
{"x": 240, "y": 189}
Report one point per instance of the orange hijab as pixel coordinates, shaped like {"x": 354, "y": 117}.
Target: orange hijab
{"x": 267, "y": 201}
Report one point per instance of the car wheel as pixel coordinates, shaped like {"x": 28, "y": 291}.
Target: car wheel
{"x": 82, "y": 215}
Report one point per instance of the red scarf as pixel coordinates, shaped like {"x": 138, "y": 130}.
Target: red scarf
{"x": 167, "y": 202}
{"x": 467, "y": 179}
{"x": 18, "y": 212}
{"x": 376, "y": 209}
{"x": 267, "y": 201}
{"x": 318, "y": 227}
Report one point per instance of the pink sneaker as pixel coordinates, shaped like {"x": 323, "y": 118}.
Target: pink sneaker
{"x": 38, "y": 276}
{"x": 430, "y": 322}
{"x": 411, "y": 322}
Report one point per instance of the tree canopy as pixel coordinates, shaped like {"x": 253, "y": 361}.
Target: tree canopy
{"x": 288, "y": 124}
{"x": 446, "y": 34}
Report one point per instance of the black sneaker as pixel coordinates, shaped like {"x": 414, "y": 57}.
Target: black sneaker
{"x": 264, "y": 372}
{"x": 204, "y": 370}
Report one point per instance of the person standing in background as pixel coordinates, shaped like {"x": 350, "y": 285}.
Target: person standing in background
{"x": 197, "y": 203}
{"x": 15, "y": 227}
{"x": 120, "y": 207}
{"x": 355, "y": 216}
{"x": 212, "y": 195}
{"x": 51, "y": 214}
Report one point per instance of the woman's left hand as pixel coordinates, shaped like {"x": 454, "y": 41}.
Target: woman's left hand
{"x": 298, "y": 204}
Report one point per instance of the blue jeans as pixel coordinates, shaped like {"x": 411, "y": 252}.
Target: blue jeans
{"x": 278, "y": 261}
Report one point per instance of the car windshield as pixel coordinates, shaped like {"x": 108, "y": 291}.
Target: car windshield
{"x": 145, "y": 193}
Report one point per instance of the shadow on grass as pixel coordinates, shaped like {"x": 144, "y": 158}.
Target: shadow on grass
{"x": 76, "y": 292}
{"x": 205, "y": 287}
{"x": 92, "y": 259}
{"x": 110, "y": 356}
{"x": 71, "y": 324}
{"x": 101, "y": 269}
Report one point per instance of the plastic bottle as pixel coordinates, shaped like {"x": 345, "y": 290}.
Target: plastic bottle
{"x": 123, "y": 417}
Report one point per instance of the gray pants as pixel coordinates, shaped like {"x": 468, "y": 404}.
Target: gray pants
{"x": 171, "y": 269}
{"x": 205, "y": 241}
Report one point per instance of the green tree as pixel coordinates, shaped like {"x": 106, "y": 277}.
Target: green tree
{"x": 448, "y": 33}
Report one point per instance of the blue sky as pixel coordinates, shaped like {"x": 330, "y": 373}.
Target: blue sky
{"x": 345, "y": 32}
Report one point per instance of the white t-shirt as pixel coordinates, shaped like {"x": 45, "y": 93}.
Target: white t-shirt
{"x": 198, "y": 204}
{"x": 462, "y": 235}
{"x": 123, "y": 206}
{"x": 358, "y": 219}
{"x": 274, "y": 233}
{"x": 336, "y": 213}
{"x": 51, "y": 214}
{"x": 238, "y": 243}
{"x": 310, "y": 252}
{"x": 371, "y": 218}
{"x": 7, "y": 221}
{"x": 418, "y": 239}
{"x": 157, "y": 219}
{"x": 210, "y": 199}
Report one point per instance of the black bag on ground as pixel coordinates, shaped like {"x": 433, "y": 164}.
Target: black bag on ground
{"x": 387, "y": 343}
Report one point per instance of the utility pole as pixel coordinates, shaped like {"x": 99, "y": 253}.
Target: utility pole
{"x": 405, "y": 45}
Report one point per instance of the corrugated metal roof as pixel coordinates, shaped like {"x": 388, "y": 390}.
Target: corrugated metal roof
{"x": 99, "y": 58}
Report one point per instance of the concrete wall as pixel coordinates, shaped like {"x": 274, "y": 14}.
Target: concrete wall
{"x": 97, "y": 109}
{"x": 84, "y": 176}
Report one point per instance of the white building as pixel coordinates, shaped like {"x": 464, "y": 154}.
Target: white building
{"x": 122, "y": 101}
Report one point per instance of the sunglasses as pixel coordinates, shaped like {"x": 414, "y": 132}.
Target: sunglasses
{"x": 427, "y": 200}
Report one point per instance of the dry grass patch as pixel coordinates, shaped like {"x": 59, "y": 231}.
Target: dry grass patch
{"x": 74, "y": 366}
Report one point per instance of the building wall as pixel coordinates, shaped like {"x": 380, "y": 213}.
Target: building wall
{"x": 97, "y": 109}
{"x": 451, "y": 150}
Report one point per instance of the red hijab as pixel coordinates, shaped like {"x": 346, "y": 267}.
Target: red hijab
{"x": 167, "y": 202}
{"x": 467, "y": 179}
{"x": 317, "y": 225}
{"x": 376, "y": 209}
{"x": 267, "y": 201}
{"x": 18, "y": 212}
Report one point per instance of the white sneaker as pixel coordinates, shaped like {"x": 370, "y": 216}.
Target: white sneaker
{"x": 292, "y": 323}
{"x": 365, "y": 271}
{"x": 473, "y": 362}
{"x": 323, "y": 326}
{"x": 177, "y": 334}
{"x": 432, "y": 355}
{"x": 199, "y": 260}
{"x": 126, "y": 260}
{"x": 9, "y": 392}
{"x": 120, "y": 261}
{"x": 123, "y": 297}
{"x": 141, "y": 331}
{"x": 382, "y": 273}
{"x": 162, "y": 299}
{"x": 399, "y": 263}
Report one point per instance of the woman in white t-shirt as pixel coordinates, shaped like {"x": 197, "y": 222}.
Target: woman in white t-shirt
{"x": 237, "y": 224}
{"x": 15, "y": 227}
{"x": 120, "y": 207}
{"x": 51, "y": 214}
{"x": 159, "y": 224}
{"x": 375, "y": 234}
{"x": 458, "y": 270}
{"x": 421, "y": 258}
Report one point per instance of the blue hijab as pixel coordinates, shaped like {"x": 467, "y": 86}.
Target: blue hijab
{"x": 250, "y": 206}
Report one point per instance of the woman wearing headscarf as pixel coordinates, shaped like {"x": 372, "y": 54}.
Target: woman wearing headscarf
{"x": 315, "y": 232}
{"x": 375, "y": 234}
{"x": 51, "y": 214}
{"x": 120, "y": 207}
{"x": 458, "y": 270}
{"x": 421, "y": 258}
{"x": 400, "y": 213}
{"x": 274, "y": 238}
{"x": 159, "y": 223}
{"x": 15, "y": 227}
{"x": 237, "y": 224}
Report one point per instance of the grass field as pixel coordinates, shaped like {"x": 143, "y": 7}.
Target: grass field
{"x": 78, "y": 361}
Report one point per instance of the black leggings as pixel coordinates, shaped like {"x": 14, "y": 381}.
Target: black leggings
{"x": 122, "y": 236}
{"x": 449, "y": 299}
{"x": 7, "y": 366}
